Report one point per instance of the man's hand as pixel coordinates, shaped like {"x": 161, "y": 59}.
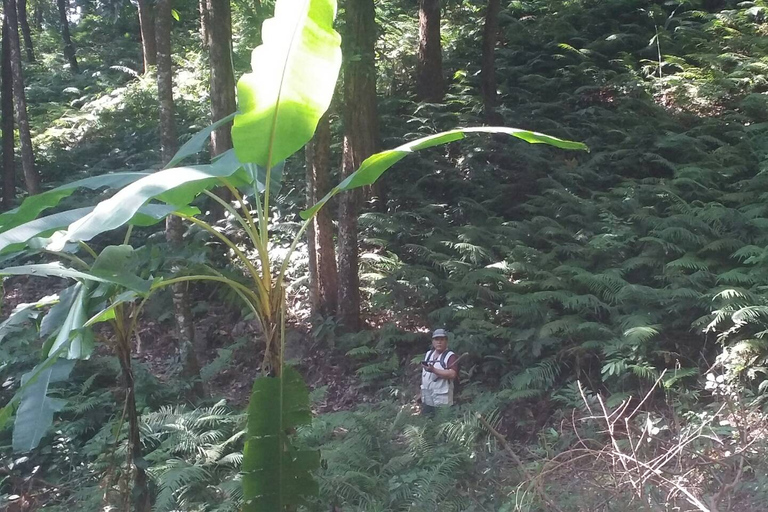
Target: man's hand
{"x": 430, "y": 368}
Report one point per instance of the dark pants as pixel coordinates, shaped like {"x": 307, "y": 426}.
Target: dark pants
{"x": 427, "y": 410}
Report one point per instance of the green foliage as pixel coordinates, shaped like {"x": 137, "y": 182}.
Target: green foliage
{"x": 601, "y": 267}
{"x": 645, "y": 255}
{"x": 276, "y": 474}
{"x": 384, "y": 458}
{"x": 194, "y": 457}
{"x": 32, "y": 207}
{"x": 374, "y": 166}
{"x": 294, "y": 74}
{"x": 35, "y": 412}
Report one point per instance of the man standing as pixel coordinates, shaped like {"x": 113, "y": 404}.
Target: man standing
{"x": 437, "y": 374}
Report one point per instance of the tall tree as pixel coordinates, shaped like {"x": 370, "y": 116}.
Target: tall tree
{"x": 217, "y": 34}
{"x": 223, "y": 101}
{"x": 6, "y": 100}
{"x": 25, "y": 31}
{"x": 323, "y": 274}
{"x": 31, "y": 177}
{"x": 168, "y": 140}
{"x": 429, "y": 82}
{"x": 69, "y": 47}
{"x": 174, "y": 229}
{"x": 38, "y": 15}
{"x": 203, "y": 8}
{"x": 147, "y": 27}
{"x": 361, "y": 133}
{"x": 488, "y": 64}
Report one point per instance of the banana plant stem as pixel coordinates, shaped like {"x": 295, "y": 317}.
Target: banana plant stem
{"x": 266, "y": 275}
{"x": 88, "y": 249}
{"x": 286, "y": 261}
{"x": 234, "y": 213}
{"x": 71, "y": 257}
{"x": 255, "y": 230}
{"x": 128, "y": 233}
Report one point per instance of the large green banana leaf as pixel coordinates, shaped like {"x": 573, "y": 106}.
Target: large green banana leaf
{"x": 31, "y": 378}
{"x": 33, "y": 205}
{"x": 53, "y": 320}
{"x": 125, "y": 280}
{"x": 196, "y": 144}
{"x": 275, "y": 474}
{"x": 292, "y": 83}
{"x": 15, "y": 239}
{"x": 64, "y": 323}
{"x": 24, "y": 312}
{"x": 71, "y": 332}
{"x": 35, "y": 413}
{"x": 375, "y": 165}
{"x": 177, "y": 186}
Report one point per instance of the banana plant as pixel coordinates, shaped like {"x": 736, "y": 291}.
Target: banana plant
{"x": 280, "y": 103}
{"x": 104, "y": 290}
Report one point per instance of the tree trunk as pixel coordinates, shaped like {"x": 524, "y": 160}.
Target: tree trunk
{"x": 69, "y": 48}
{"x": 223, "y": 102}
{"x": 31, "y": 177}
{"x": 38, "y": 16}
{"x": 164, "y": 62}
{"x": 147, "y": 27}
{"x": 429, "y": 83}
{"x": 488, "y": 65}
{"x": 25, "y": 32}
{"x": 140, "y": 492}
{"x": 6, "y": 100}
{"x": 361, "y": 134}
{"x": 218, "y": 16}
{"x": 203, "y": 8}
{"x": 323, "y": 275}
{"x": 174, "y": 229}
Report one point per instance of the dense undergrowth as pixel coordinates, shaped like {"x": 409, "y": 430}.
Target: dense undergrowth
{"x": 638, "y": 266}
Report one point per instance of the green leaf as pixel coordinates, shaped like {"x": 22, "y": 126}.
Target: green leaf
{"x": 259, "y": 174}
{"x": 375, "y": 165}
{"x": 119, "y": 263}
{"x": 22, "y": 313}
{"x": 59, "y": 270}
{"x": 255, "y": 174}
{"x": 294, "y": 75}
{"x": 33, "y": 205}
{"x": 109, "y": 312}
{"x": 275, "y": 474}
{"x": 151, "y": 214}
{"x": 56, "y": 316}
{"x": 175, "y": 14}
{"x": 197, "y": 143}
{"x": 176, "y": 186}
{"x": 35, "y": 414}
{"x": 16, "y": 238}
{"x": 71, "y": 333}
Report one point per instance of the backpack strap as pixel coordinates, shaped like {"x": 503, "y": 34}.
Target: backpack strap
{"x": 446, "y": 356}
{"x": 428, "y": 357}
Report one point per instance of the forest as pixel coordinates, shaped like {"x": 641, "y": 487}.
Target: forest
{"x": 230, "y": 228}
